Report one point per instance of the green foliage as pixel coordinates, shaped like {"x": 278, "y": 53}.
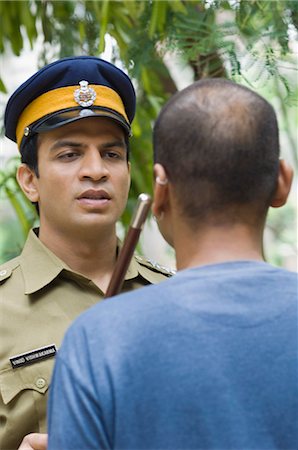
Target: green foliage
{"x": 10, "y": 188}
{"x": 13, "y": 233}
{"x": 14, "y": 18}
{"x": 282, "y": 228}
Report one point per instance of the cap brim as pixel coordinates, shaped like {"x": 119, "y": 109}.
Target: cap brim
{"x": 65, "y": 117}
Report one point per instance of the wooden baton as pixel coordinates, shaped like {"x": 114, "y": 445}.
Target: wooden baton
{"x": 129, "y": 245}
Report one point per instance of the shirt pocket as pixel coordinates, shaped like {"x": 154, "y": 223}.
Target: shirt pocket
{"x": 34, "y": 377}
{"x": 23, "y": 403}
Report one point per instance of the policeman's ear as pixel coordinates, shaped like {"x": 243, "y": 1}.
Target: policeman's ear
{"x": 284, "y": 183}
{"x": 161, "y": 191}
{"x": 129, "y": 173}
{"x": 27, "y": 179}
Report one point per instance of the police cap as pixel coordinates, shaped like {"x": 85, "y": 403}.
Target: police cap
{"x": 67, "y": 90}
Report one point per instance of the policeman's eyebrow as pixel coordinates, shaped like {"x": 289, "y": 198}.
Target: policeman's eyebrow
{"x": 65, "y": 143}
{"x": 62, "y": 143}
{"x": 115, "y": 143}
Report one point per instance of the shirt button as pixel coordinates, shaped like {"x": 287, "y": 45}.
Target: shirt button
{"x": 3, "y": 272}
{"x": 40, "y": 383}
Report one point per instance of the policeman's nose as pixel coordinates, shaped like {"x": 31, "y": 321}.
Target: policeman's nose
{"x": 93, "y": 165}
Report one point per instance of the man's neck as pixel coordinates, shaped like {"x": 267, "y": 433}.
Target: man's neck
{"x": 217, "y": 244}
{"x": 92, "y": 255}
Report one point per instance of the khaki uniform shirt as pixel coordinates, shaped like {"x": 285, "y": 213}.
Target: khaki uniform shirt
{"x": 39, "y": 298}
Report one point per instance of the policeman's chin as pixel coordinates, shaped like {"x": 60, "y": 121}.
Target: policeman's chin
{"x": 88, "y": 219}
{"x": 93, "y": 227}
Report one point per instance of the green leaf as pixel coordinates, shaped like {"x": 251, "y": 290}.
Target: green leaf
{"x": 25, "y": 223}
{"x": 103, "y": 24}
{"x": 2, "y": 87}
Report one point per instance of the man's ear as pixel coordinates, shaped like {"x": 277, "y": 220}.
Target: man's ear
{"x": 161, "y": 191}
{"x": 129, "y": 174}
{"x": 284, "y": 183}
{"x": 27, "y": 179}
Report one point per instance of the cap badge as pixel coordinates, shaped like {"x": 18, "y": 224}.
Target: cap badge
{"x": 85, "y": 96}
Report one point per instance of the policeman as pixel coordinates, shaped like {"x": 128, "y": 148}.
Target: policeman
{"x": 72, "y": 122}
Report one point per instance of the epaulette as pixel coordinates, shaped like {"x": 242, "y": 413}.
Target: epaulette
{"x": 155, "y": 266}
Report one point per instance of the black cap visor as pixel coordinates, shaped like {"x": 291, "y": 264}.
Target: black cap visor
{"x": 61, "y": 118}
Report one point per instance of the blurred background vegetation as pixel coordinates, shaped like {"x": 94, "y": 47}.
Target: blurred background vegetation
{"x": 163, "y": 46}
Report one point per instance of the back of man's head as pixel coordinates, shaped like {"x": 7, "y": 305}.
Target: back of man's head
{"x": 218, "y": 142}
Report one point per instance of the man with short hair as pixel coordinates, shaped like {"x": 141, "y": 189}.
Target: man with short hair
{"x": 207, "y": 359}
{"x": 72, "y": 122}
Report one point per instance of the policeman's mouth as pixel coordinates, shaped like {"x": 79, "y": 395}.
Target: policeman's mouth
{"x": 94, "y": 197}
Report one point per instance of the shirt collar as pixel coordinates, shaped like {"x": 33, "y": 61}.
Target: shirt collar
{"x": 40, "y": 266}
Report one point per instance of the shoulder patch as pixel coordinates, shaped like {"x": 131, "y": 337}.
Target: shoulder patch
{"x": 155, "y": 266}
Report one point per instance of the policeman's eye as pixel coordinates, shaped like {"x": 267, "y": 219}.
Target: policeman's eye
{"x": 68, "y": 155}
{"x": 114, "y": 154}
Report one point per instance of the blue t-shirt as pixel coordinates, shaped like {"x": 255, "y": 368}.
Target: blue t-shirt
{"x": 204, "y": 360}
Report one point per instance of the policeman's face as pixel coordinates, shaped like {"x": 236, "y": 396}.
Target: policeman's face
{"x": 84, "y": 176}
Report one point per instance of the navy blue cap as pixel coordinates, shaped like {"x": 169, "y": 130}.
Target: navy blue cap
{"x": 67, "y": 90}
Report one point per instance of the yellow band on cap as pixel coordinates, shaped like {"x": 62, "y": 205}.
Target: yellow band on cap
{"x": 62, "y": 98}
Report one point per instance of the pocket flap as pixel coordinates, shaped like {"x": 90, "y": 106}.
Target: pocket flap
{"x": 36, "y": 376}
